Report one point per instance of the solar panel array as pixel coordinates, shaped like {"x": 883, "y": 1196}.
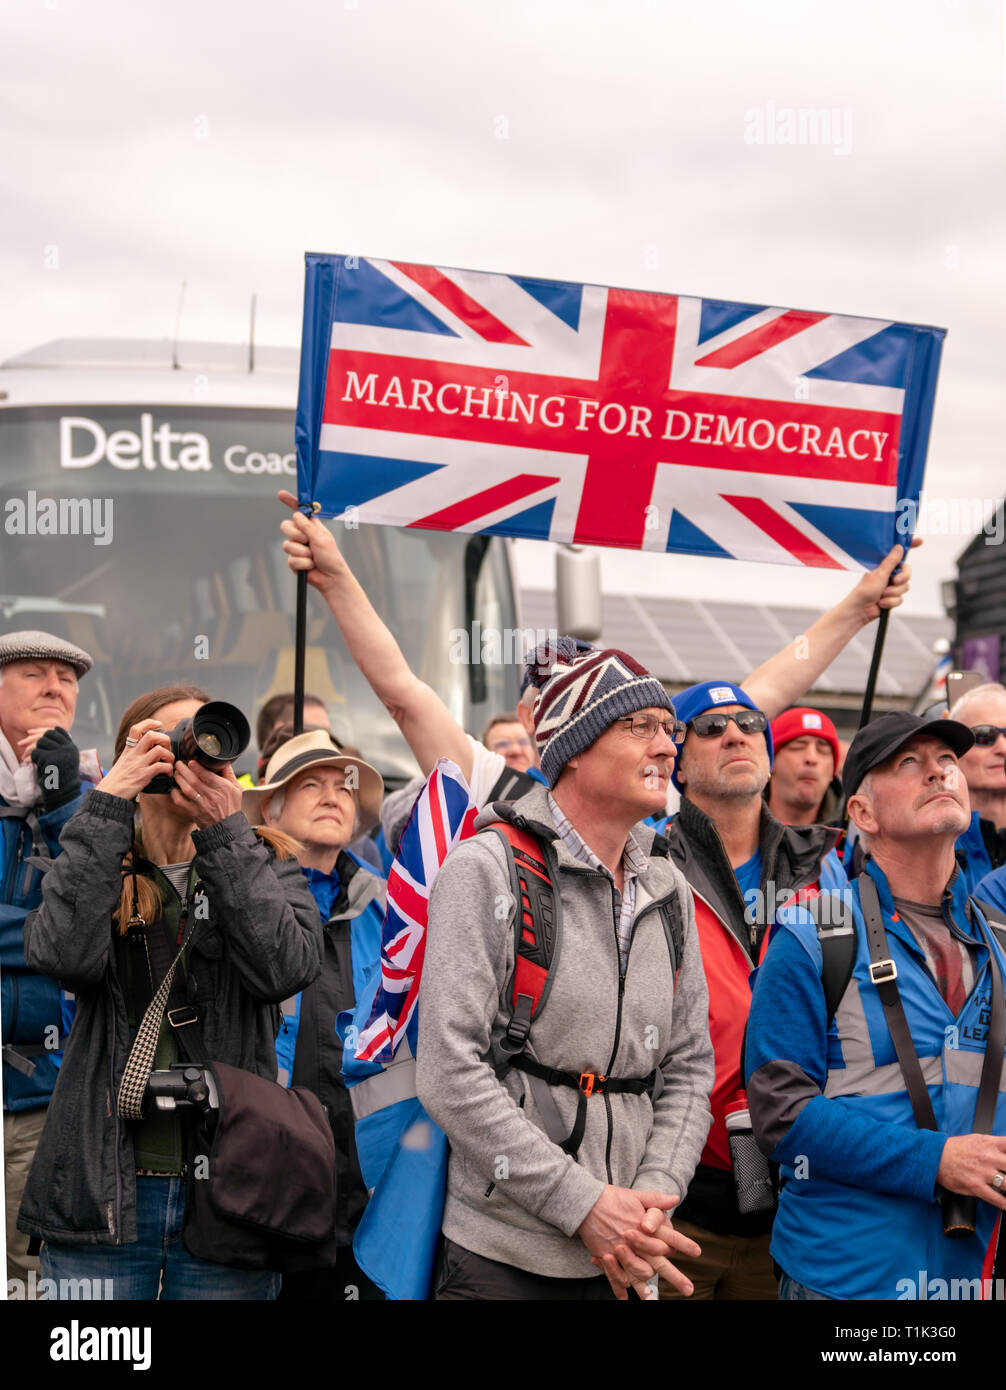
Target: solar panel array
{"x": 687, "y": 640}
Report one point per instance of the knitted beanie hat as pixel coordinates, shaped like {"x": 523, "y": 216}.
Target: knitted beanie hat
{"x": 581, "y": 694}
{"x": 796, "y": 723}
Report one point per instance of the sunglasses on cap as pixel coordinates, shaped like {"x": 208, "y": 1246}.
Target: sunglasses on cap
{"x": 714, "y": 724}
{"x": 986, "y": 734}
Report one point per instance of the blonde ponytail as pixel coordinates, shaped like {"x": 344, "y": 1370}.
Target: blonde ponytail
{"x": 138, "y": 894}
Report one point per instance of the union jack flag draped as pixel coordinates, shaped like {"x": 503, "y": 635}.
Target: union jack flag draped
{"x": 458, "y": 400}
{"x": 444, "y": 813}
{"x": 402, "y": 1153}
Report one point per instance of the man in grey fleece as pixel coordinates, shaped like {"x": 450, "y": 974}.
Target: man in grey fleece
{"x": 619, "y": 1051}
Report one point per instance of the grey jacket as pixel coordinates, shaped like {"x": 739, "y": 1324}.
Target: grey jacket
{"x": 260, "y": 942}
{"x": 593, "y": 1020}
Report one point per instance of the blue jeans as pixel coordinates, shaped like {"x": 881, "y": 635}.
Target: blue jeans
{"x": 791, "y": 1291}
{"x": 157, "y": 1265}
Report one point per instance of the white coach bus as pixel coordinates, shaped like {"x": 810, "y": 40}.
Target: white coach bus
{"x": 139, "y": 519}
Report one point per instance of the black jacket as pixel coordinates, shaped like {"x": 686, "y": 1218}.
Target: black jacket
{"x": 260, "y": 941}
{"x": 317, "y": 1062}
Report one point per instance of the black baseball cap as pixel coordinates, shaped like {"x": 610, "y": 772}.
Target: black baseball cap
{"x": 883, "y": 736}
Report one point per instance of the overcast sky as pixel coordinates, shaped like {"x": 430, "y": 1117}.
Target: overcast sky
{"x": 598, "y": 140}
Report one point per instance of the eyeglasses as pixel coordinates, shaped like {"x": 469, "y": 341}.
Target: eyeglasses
{"x": 502, "y": 744}
{"x": 646, "y": 726}
{"x": 714, "y": 724}
{"x": 986, "y": 734}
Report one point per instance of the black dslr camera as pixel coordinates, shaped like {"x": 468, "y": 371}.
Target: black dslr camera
{"x": 216, "y": 735}
{"x": 185, "y": 1087}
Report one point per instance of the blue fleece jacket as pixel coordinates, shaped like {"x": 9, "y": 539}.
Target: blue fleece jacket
{"x": 972, "y": 854}
{"x": 31, "y": 1003}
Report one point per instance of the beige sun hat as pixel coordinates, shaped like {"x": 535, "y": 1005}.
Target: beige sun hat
{"x": 312, "y": 750}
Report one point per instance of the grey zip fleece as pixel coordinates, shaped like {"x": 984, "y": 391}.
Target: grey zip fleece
{"x": 540, "y": 1195}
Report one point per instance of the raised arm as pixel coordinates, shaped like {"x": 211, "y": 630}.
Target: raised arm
{"x": 428, "y": 726}
{"x": 785, "y": 677}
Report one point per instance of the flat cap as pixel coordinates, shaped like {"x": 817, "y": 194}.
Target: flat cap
{"x": 42, "y": 646}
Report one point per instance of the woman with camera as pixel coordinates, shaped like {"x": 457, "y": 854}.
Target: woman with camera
{"x": 139, "y": 875}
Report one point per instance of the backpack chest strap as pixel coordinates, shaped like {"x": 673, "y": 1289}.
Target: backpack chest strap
{"x": 586, "y": 1084}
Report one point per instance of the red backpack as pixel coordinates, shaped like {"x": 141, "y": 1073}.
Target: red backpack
{"x": 538, "y": 941}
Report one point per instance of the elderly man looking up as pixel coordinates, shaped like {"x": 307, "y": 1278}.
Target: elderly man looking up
{"x": 887, "y": 1113}
{"x": 40, "y": 789}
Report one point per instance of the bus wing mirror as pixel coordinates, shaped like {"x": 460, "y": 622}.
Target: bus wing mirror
{"x": 578, "y": 592}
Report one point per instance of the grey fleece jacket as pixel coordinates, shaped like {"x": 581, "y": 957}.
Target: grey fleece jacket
{"x": 592, "y": 1020}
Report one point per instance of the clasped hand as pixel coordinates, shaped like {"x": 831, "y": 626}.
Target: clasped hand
{"x": 630, "y": 1236}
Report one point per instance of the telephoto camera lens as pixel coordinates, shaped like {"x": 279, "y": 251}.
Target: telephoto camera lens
{"x": 217, "y": 734}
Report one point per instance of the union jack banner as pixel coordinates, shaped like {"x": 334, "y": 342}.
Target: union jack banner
{"x": 443, "y": 815}
{"x": 457, "y": 400}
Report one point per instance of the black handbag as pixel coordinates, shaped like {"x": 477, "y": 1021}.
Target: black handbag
{"x": 261, "y": 1179}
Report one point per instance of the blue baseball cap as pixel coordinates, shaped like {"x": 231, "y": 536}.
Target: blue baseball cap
{"x": 698, "y": 699}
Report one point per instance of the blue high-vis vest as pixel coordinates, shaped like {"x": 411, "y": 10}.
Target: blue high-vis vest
{"x": 858, "y": 1213}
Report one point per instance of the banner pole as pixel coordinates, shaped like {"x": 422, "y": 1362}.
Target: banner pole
{"x": 299, "y": 656}
{"x": 871, "y": 680}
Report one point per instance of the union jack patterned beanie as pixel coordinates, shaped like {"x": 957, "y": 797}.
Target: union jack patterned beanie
{"x": 581, "y": 694}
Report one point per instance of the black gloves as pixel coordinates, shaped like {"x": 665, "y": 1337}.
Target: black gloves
{"x": 57, "y": 763}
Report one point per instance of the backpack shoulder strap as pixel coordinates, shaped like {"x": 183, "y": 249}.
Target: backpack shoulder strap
{"x": 537, "y": 932}
{"x": 995, "y": 919}
{"x": 674, "y": 931}
{"x": 836, "y": 934}
{"x": 511, "y": 785}
{"x": 40, "y": 858}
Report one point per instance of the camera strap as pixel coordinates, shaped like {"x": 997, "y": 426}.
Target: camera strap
{"x": 884, "y": 974}
{"x": 141, "y": 1057}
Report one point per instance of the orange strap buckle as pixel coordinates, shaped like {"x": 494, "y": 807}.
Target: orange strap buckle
{"x": 591, "y": 1081}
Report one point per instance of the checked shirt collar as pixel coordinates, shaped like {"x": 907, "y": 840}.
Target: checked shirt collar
{"x": 634, "y": 863}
